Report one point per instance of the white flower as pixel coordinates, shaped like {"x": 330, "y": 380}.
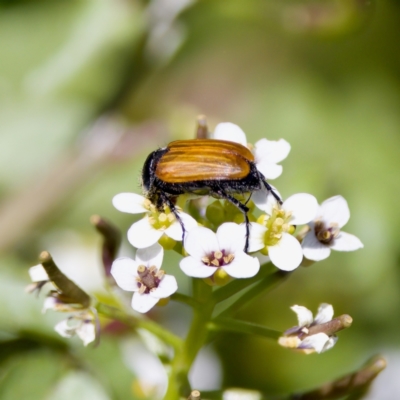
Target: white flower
{"x": 81, "y": 324}
{"x": 325, "y": 233}
{"x": 209, "y": 251}
{"x": 144, "y": 277}
{"x": 273, "y": 232}
{"x": 155, "y": 224}
{"x": 267, "y": 153}
{"x": 298, "y": 338}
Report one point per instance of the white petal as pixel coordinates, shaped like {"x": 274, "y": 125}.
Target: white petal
{"x": 304, "y": 315}
{"x": 330, "y": 343}
{"x": 325, "y": 314}
{"x": 287, "y": 254}
{"x": 272, "y": 150}
{"x": 336, "y": 210}
{"x": 243, "y": 266}
{"x": 269, "y": 170}
{"x": 124, "y": 271}
{"x": 316, "y": 342}
{"x": 231, "y": 132}
{"x": 150, "y": 256}
{"x": 264, "y": 199}
{"x": 256, "y": 239}
{"x": 346, "y": 242}
{"x": 143, "y": 302}
{"x": 201, "y": 242}
{"x": 38, "y": 273}
{"x": 86, "y": 332}
{"x": 194, "y": 267}
{"x": 231, "y": 237}
{"x": 303, "y": 206}
{"x": 167, "y": 286}
{"x": 313, "y": 249}
{"x": 64, "y": 329}
{"x": 131, "y": 203}
{"x": 141, "y": 234}
{"x": 174, "y": 231}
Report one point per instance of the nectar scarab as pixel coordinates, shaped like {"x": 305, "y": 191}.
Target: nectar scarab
{"x": 218, "y": 168}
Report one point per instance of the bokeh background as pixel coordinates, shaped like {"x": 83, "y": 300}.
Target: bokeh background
{"x": 89, "y": 87}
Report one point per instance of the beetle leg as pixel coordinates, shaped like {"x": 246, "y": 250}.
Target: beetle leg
{"x": 242, "y": 207}
{"x": 269, "y": 188}
{"x": 166, "y": 200}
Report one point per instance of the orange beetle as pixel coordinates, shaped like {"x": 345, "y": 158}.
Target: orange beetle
{"x": 218, "y": 168}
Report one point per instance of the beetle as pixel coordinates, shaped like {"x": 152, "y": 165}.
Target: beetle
{"x": 218, "y": 168}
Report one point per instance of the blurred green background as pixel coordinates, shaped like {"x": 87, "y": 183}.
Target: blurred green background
{"x": 89, "y": 87}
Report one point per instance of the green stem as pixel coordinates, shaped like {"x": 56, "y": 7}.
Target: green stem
{"x": 182, "y": 298}
{"x": 133, "y": 322}
{"x": 196, "y": 337}
{"x": 237, "y": 285}
{"x": 231, "y": 325}
{"x": 258, "y": 289}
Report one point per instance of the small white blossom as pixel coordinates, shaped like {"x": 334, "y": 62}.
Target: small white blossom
{"x": 298, "y": 338}
{"x": 267, "y": 153}
{"x": 273, "y": 232}
{"x": 81, "y": 324}
{"x": 325, "y": 233}
{"x": 155, "y": 224}
{"x": 144, "y": 277}
{"x": 209, "y": 251}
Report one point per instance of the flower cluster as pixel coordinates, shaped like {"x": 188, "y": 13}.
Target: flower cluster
{"x": 215, "y": 250}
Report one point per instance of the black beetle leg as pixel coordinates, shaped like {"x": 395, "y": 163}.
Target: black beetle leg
{"x": 269, "y": 188}
{"x": 243, "y": 208}
{"x": 166, "y": 200}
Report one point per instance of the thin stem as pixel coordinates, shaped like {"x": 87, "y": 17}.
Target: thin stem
{"x": 237, "y": 285}
{"x": 261, "y": 287}
{"x": 182, "y": 298}
{"x": 178, "y": 382}
{"x": 133, "y": 322}
{"x": 231, "y": 325}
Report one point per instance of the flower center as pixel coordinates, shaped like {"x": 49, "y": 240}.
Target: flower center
{"x": 276, "y": 224}
{"x": 159, "y": 220}
{"x": 326, "y": 234}
{"x": 148, "y": 278}
{"x": 218, "y": 258}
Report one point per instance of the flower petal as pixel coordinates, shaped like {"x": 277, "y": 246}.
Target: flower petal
{"x": 131, "y": 203}
{"x": 325, "y": 314}
{"x": 287, "y": 254}
{"x": 336, "y": 210}
{"x": 86, "y": 332}
{"x": 150, "y": 256}
{"x": 194, "y": 267}
{"x": 201, "y": 242}
{"x": 231, "y": 237}
{"x": 303, "y": 206}
{"x": 330, "y": 343}
{"x": 304, "y": 315}
{"x": 167, "y": 286}
{"x": 269, "y": 170}
{"x": 64, "y": 329}
{"x": 346, "y": 242}
{"x": 38, "y": 273}
{"x": 174, "y": 231}
{"x": 141, "y": 234}
{"x": 264, "y": 199}
{"x": 272, "y": 150}
{"x": 313, "y": 249}
{"x": 143, "y": 302}
{"x": 231, "y": 132}
{"x": 243, "y": 266}
{"x": 124, "y": 271}
{"x": 316, "y": 342}
{"x": 256, "y": 238}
